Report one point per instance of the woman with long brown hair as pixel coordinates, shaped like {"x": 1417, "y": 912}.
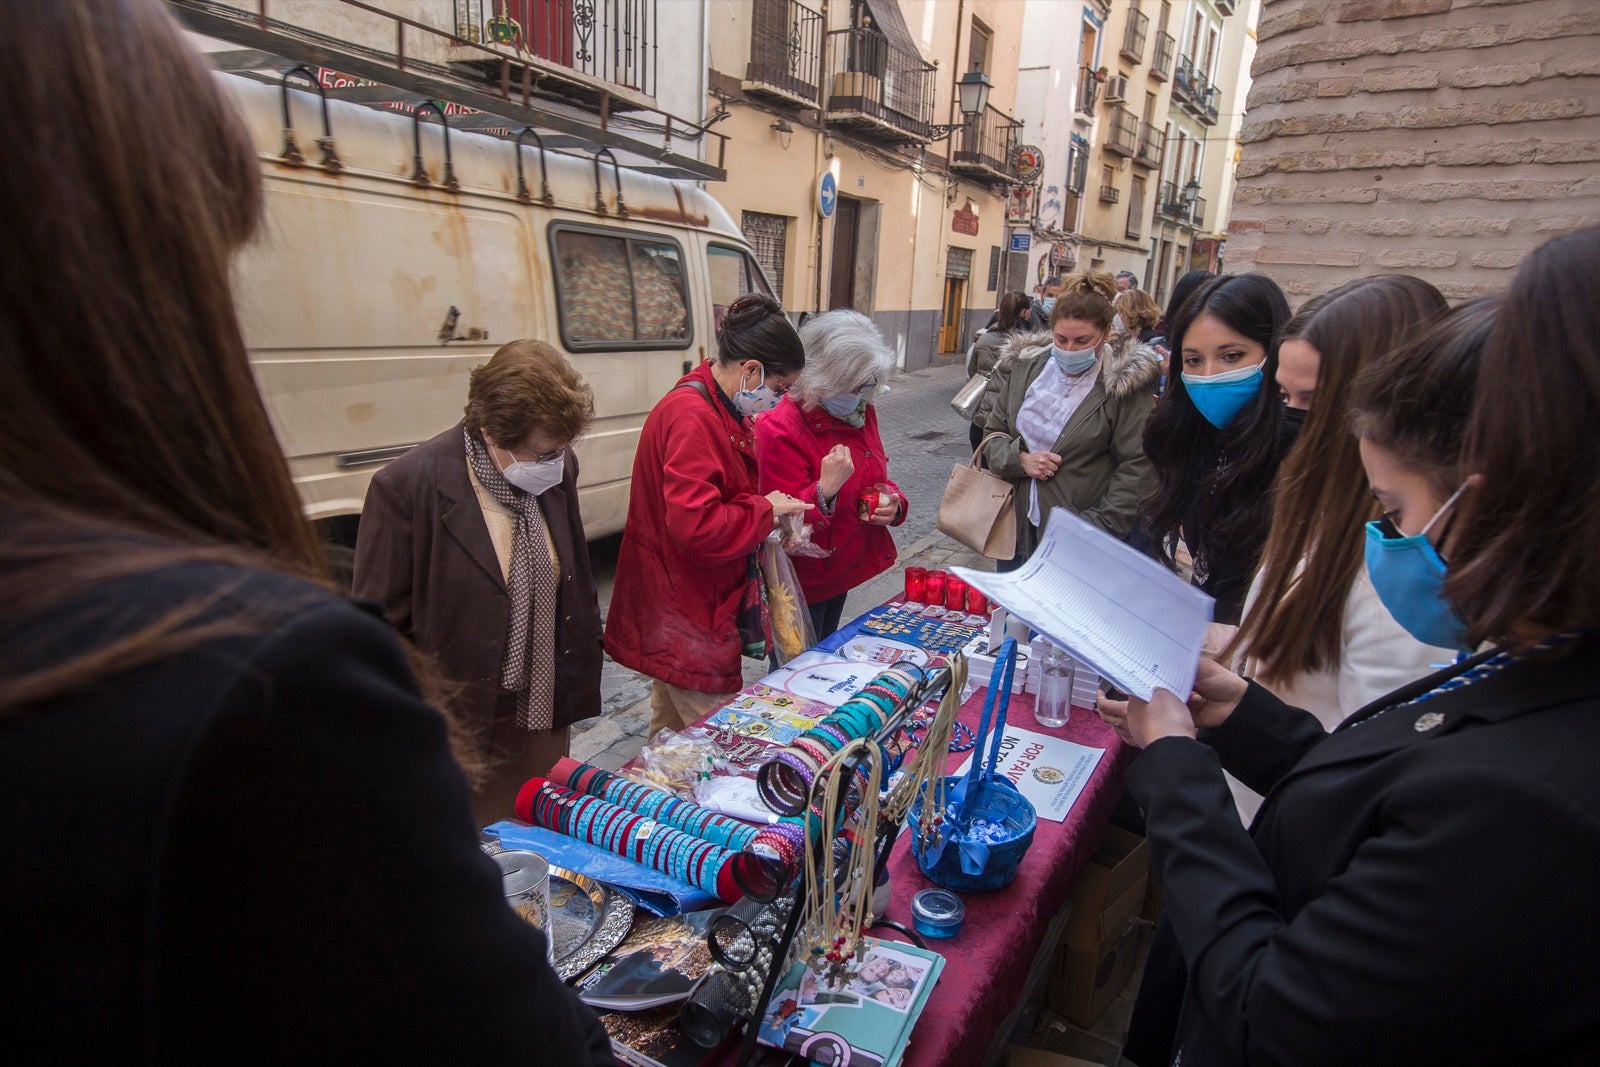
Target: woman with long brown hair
{"x": 1314, "y": 631}
{"x": 234, "y": 830}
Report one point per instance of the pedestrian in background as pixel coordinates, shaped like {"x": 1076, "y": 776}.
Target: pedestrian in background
{"x": 821, "y": 445}
{"x": 1314, "y": 631}
{"x": 234, "y": 829}
{"x": 1213, "y": 439}
{"x": 1126, "y": 280}
{"x": 473, "y": 543}
{"x": 1137, "y": 315}
{"x": 1419, "y": 885}
{"x": 1071, "y": 408}
{"x": 696, "y": 517}
{"x": 1011, "y": 318}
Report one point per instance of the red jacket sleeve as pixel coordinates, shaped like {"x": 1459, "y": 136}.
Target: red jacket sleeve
{"x": 790, "y": 460}
{"x": 707, "y": 513}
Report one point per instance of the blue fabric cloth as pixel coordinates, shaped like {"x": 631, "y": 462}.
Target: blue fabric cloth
{"x": 653, "y": 891}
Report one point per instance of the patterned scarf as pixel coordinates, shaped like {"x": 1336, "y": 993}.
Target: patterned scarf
{"x": 529, "y": 668}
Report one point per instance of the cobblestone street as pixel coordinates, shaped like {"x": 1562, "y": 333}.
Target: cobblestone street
{"x": 923, "y": 438}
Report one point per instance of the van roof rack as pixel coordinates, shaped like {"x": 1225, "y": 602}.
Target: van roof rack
{"x": 512, "y": 91}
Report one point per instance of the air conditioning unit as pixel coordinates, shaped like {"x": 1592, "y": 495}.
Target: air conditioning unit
{"x": 1117, "y": 89}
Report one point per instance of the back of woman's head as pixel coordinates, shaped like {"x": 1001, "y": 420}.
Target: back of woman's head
{"x": 1138, "y": 309}
{"x": 1522, "y": 562}
{"x": 754, "y": 327}
{"x": 1183, "y": 447}
{"x": 1314, "y": 550}
{"x": 1086, "y": 296}
{"x": 845, "y": 350}
{"x": 1413, "y": 400}
{"x": 1012, "y": 305}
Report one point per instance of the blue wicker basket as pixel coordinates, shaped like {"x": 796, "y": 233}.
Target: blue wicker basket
{"x": 948, "y": 851}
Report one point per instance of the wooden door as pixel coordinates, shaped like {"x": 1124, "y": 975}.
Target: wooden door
{"x": 846, "y": 240}
{"x": 954, "y": 314}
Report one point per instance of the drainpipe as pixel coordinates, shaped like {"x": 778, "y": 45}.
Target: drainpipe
{"x": 818, "y": 160}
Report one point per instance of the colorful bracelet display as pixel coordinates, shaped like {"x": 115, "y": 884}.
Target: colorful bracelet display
{"x": 657, "y": 804}
{"x": 637, "y": 837}
{"x": 785, "y": 780}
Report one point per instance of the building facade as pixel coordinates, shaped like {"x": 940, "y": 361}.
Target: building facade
{"x": 1443, "y": 138}
{"x": 838, "y": 167}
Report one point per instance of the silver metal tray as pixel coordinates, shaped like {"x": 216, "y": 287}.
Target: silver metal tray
{"x": 587, "y": 919}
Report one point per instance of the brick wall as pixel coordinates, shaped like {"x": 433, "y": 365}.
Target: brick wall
{"x": 1442, "y": 138}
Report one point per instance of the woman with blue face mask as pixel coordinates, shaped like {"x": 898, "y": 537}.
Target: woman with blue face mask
{"x": 696, "y": 516}
{"x": 821, "y": 445}
{"x": 1424, "y": 872}
{"x": 1213, "y": 440}
{"x": 1064, "y": 414}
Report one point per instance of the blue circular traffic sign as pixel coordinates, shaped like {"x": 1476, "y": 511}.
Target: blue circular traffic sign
{"x": 827, "y": 194}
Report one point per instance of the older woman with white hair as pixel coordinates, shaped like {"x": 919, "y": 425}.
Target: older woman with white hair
{"x": 821, "y": 444}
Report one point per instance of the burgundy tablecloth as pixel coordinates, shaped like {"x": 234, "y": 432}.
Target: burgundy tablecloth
{"x": 987, "y": 964}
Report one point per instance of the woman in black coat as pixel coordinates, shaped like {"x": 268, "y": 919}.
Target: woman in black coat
{"x": 1419, "y": 886}
{"x": 233, "y": 830}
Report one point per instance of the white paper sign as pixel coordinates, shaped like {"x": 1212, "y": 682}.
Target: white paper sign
{"x": 1050, "y": 772}
{"x": 1121, "y": 612}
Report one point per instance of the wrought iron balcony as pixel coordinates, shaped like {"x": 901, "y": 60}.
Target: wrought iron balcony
{"x": 1197, "y": 213}
{"x": 1161, "y": 64}
{"x": 984, "y": 148}
{"x": 1194, "y": 92}
{"x": 614, "y": 41}
{"x": 1133, "y": 37}
{"x": 1110, "y": 194}
{"x": 1170, "y": 204}
{"x": 1123, "y": 136}
{"x": 1149, "y": 154}
{"x": 1088, "y": 92}
{"x": 785, "y": 52}
{"x": 878, "y": 89}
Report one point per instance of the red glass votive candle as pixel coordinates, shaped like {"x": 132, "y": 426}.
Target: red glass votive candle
{"x": 977, "y": 603}
{"x": 955, "y": 594}
{"x": 917, "y": 584}
{"x": 933, "y": 585}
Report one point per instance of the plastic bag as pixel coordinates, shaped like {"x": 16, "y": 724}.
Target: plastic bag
{"x": 675, "y": 761}
{"x": 794, "y": 537}
{"x": 786, "y": 604}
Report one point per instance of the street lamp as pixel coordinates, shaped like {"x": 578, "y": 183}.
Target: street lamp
{"x": 972, "y": 94}
{"x": 1191, "y": 192}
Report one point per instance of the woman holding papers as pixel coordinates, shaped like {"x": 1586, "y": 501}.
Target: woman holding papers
{"x": 1419, "y": 885}
{"x": 1213, "y": 440}
{"x": 1314, "y": 630}
{"x": 1071, "y": 410}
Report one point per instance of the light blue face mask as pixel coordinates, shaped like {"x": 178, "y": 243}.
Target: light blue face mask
{"x": 1074, "y": 361}
{"x": 850, "y": 407}
{"x": 752, "y": 402}
{"x": 1220, "y": 397}
{"x": 1408, "y": 574}
{"x": 1048, "y": 303}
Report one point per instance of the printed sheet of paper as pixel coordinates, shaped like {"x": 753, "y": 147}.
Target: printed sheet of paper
{"x": 1050, "y": 772}
{"x": 1123, "y": 613}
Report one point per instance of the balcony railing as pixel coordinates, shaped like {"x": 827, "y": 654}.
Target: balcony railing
{"x": 1194, "y": 92}
{"x": 1088, "y": 91}
{"x": 1149, "y": 154}
{"x": 1123, "y": 137}
{"x": 1225, "y": 7}
{"x": 984, "y": 148}
{"x": 877, "y": 88}
{"x": 785, "y": 51}
{"x": 612, "y": 40}
{"x": 1161, "y": 65}
{"x": 1171, "y": 205}
{"x": 1133, "y": 37}
{"x": 1197, "y": 213}
{"x": 1110, "y": 194}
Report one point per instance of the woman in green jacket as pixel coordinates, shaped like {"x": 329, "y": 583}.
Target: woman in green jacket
{"x": 1071, "y": 405}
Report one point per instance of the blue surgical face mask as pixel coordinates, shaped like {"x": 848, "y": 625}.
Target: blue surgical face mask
{"x": 1220, "y": 397}
{"x": 1073, "y": 361}
{"x": 752, "y": 402}
{"x": 1408, "y": 574}
{"x": 1048, "y": 303}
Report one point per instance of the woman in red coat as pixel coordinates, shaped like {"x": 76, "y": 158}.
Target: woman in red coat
{"x": 696, "y": 516}
{"x": 821, "y": 444}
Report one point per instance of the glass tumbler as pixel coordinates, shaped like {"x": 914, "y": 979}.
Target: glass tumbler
{"x": 1052, "y": 705}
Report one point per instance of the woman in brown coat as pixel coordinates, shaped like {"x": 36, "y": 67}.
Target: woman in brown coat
{"x": 474, "y": 545}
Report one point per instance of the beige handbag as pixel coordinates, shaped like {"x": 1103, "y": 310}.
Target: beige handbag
{"x": 976, "y": 508}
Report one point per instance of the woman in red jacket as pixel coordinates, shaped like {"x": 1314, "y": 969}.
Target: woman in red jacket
{"x": 821, "y": 444}
{"x": 696, "y": 516}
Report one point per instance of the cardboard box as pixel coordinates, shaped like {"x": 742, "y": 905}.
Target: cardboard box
{"x": 1104, "y": 900}
{"x": 1101, "y": 942}
{"x": 1057, "y": 1044}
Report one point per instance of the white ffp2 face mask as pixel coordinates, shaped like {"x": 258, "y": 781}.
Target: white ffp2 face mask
{"x": 535, "y": 478}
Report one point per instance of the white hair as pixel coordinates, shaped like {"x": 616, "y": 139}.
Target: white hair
{"x": 844, "y": 350}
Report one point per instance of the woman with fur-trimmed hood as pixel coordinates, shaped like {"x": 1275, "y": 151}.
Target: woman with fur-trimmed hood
{"x": 1070, "y": 405}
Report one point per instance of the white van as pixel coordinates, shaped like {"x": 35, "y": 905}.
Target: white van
{"x": 368, "y": 297}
